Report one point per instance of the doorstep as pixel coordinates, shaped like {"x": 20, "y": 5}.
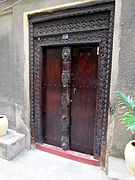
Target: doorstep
{"x": 73, "y": 155}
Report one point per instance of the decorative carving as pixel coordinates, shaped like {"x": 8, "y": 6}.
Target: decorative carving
{"x": 32, "y": 111}
{"x": 65, "y": 142}
{"x": 37, "y": 91}
{"x": 85, "y": 9}
{"x": 65, "y": 122}
{"x": 85, "y": 24}
{"x": 76, "y": 38}
{"x": 65, "y": 101}
{"x": 65, "y": 97}
{"x": 66, "y": 55}
{"x": 77, "y": 24}
{"x": 65, "y": 78}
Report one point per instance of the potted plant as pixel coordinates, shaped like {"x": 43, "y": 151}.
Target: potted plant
{"x": 3, "y": 125}
{"x": 127, "y": 118}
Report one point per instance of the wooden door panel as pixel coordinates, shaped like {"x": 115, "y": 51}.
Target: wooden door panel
{"x": 83, "y": 94}
{"x": 51, "y": 103}
{"x": 82, "y": 91}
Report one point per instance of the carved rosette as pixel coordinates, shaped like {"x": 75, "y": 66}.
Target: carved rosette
{"x": 65, "y": 97}
{"x": 66, "y": 55}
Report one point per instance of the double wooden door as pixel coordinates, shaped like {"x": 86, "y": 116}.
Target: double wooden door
{"x": 69, "y": 78}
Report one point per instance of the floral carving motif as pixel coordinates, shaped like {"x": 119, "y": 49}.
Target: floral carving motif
{"x": 65, "y": 101}
{"x": 66, "y": 55}
{"x": 65, "y": 97}
{"x": 65, "y": 78}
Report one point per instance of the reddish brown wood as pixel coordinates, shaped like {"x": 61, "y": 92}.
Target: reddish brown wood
{"x": 81, "y": 157}
{"x": 83, "y": 94}
{"x": 59, "y": 91}
{"x": 51, "y": 96}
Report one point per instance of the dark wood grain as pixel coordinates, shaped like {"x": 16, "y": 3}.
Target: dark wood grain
{"x": 58, "y": 91}
{"x": 51, "y": 96}
{"x": 83, "y": 93}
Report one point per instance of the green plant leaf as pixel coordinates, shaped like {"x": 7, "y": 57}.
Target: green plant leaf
{"x": 124, "y": 100}
{"x": 127, "y": 106}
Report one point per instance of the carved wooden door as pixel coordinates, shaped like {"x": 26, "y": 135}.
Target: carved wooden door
{"x": 51, "y": 96}
{"x": 69, "y": 97}
{"x": 83, "y": 94}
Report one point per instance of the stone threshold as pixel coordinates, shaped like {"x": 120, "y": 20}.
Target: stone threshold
{"x": 73, "y": 155}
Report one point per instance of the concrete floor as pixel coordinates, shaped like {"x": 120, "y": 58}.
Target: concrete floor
{"x": 117, "y": 169}
{"x": 39, "y": 165}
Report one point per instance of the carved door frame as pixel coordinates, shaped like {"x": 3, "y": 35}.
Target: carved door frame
{"x": 46, "y": 29}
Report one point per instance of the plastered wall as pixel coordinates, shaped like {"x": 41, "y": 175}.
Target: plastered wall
{"x": 123, "y": 72}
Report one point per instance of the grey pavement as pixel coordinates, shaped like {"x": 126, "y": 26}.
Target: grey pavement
{"x": 39, "y": 165}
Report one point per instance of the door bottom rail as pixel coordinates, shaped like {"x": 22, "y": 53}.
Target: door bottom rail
{"x": 73, "y": 155}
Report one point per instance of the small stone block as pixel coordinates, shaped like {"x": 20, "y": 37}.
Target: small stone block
{"x": 11, "y": 144}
